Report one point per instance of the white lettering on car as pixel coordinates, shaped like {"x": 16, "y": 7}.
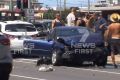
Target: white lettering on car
{"x": 85, "y": 36}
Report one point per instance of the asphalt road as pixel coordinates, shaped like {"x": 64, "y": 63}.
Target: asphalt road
{"x": 25, "y": 69}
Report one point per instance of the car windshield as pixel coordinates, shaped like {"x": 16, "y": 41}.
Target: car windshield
{"x": 48, "y": 24}
{"x": 70, "y": 32}
{"x": 40, "y": 26}
{"x": 19, "y": 28}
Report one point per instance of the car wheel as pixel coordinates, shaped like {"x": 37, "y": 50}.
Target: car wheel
{"x": 57, "y": 57}
{"x": 101, "y": 59}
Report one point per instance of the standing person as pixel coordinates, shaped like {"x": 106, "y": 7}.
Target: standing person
{"x": 112, "y": 36}
{"x": 5, "y": 58}
{"x": 57, "y": 21}
{"x": 101, "y": 24}
{"x": 80, "y": 22}
{"x": 86, "y": 18}
{"x": 71, "y": 17}
{"x": 92, "y": 21}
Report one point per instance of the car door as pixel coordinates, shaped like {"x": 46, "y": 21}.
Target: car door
{"x": 38, "y": 47}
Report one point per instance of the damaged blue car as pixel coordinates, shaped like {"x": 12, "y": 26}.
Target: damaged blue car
{"x": 75, "y": 44}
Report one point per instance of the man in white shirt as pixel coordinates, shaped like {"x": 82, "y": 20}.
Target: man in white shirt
{"x": 71, "y": 17}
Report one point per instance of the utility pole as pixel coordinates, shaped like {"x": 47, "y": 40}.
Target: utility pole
{"x": 29, "y": 4}
{"x": 30, "y": 13}
{"x": 11, "y": 9}
{"x": 60, "y": 8}
{"x": 11, "y": 5}
{"x": 57, "y": 4}
{"x": 64, "y": 5}
{"x": 88, "y": 6}
{"x": 22, "y": 11}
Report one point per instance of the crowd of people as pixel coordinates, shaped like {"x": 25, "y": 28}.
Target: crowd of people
{"x": 110, "y": 29}
{"x": 111, "y": 34}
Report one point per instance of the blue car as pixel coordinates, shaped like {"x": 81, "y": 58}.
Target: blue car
{"x": 76, "y": 44}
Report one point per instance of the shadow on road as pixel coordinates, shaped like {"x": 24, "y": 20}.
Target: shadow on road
{"x": 90, "y": 65}
{"x": 24, "y": 56}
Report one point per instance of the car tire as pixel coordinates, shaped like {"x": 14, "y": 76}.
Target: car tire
{"x": 101, "y": 59}
{"x": 57, "y": 57}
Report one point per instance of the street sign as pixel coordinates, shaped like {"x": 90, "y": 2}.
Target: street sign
{"x": 30, "y": 15}
{"x": 30, "y": 12}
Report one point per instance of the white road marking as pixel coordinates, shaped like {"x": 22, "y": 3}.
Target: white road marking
{"x": 100, "y": 71}
{"x": 19, "y": 61}
{"x": 27, "y": 77}
{"x": 26, "y": 59}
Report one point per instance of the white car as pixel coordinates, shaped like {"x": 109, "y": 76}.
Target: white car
{"x": 17, "y": 31}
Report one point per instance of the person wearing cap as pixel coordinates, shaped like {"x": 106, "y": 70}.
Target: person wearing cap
{"x": 71, "y": 18}
{"x": 112, "y": 36}
{"x": 57, "y": 21}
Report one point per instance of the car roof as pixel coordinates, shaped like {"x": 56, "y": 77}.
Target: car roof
{"x": 42, "y": 21}
{"x": 15, "y": 22}
{"x": 70, "y": 27}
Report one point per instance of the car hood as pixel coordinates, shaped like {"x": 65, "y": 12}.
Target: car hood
{"x": 97, "y": 39}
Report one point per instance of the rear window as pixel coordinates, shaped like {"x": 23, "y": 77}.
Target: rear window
{"x": 40, "y": 26}
{"x": 20, "y": 28}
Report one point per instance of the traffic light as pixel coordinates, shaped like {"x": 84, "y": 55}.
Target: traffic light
{"x": 19, "y": 4}
{"x": 25, "y": 4}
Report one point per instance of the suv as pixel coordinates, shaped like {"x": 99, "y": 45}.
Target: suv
{"x": 16, "y": 31}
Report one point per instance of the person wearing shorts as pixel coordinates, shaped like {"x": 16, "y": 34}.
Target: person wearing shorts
{"x": 112, "y": 36}
{"x": 115, "y": 46}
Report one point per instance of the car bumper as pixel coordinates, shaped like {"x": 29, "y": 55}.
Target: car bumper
{"x": 84, "y": 54}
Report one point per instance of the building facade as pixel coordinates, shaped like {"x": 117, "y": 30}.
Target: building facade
{"x": 109, "y": 2}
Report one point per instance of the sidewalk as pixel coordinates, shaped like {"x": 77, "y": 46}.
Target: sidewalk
{"x": 117, "y": 59}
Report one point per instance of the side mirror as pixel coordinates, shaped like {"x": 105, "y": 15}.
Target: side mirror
{"x": 49, "y": 40}
{"x": 60, "y": 40}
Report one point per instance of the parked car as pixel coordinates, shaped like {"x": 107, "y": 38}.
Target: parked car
{"x": 16, "y": 31}
{"x": 76, "y": 44}
{"x": 43, "y": 27}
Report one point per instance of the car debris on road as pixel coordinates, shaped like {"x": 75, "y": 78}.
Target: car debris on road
{"x": 44, "y": 64}
{"x": 46, "y": 68}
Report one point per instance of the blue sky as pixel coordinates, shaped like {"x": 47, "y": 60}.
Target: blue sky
{"x": 69, "y": 3}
